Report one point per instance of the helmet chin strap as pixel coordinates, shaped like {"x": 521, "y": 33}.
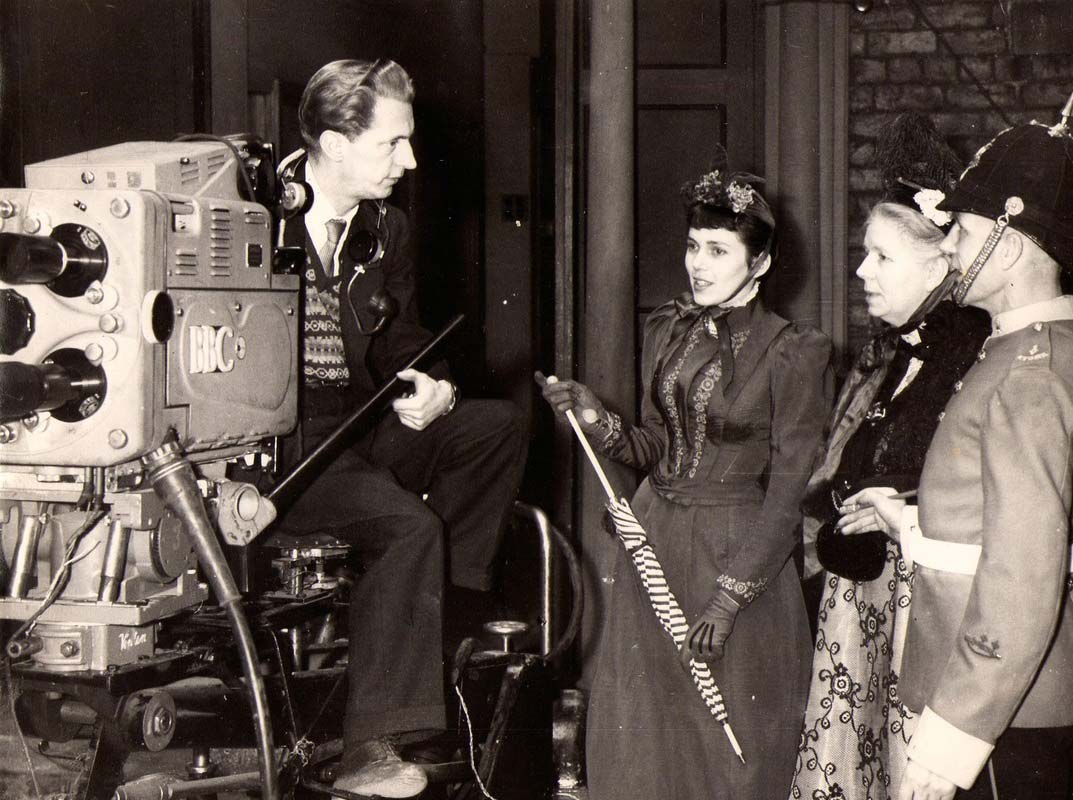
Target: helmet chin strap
{"x": 1014, "y": 206}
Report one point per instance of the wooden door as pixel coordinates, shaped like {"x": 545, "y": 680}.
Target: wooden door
{"x": 698, "y": 84}
{"x": 76, "y": 76}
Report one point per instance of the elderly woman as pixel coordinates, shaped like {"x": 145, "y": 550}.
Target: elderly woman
{"x": 854, "y": 737}
{"x": 731, "y": 419}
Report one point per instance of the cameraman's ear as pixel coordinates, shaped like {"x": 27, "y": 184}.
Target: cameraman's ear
{"x": 331, "y": 144}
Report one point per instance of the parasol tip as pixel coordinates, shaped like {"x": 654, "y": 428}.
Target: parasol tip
{"x": 1067, "y": 112}
{"x": 733, "y": 741}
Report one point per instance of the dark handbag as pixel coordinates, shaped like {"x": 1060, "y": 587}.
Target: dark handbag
{"x": 856, "y": 556}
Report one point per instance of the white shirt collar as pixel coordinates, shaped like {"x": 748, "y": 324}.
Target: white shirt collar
{"x": 317, "y": 217}
{"x": 1044, "y": 311}
{"x": 913, "y": 337}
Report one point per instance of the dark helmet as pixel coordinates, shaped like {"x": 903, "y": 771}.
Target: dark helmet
{"x": 1026, "y": 172}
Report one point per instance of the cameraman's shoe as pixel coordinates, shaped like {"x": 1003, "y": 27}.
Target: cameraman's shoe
{"x": 376, "y": 768}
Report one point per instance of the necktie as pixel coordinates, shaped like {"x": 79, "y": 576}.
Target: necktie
{"x": 326, "y": 254}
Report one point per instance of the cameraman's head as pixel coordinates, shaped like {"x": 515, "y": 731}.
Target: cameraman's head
{"x": 356, "y": 119}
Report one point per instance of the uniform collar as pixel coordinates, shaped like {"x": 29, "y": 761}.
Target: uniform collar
{"x": 1044, "y": 311}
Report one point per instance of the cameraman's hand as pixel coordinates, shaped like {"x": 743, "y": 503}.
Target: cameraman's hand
{"x": 429, "y": 400}
{"x": 569, "y": 395}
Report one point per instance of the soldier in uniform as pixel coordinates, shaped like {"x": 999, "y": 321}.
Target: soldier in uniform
{"x": 988, "y": 661}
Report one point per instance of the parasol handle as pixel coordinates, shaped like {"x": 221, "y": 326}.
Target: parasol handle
{"x": 587, "y": 448}
{"x": 589, "y": 452}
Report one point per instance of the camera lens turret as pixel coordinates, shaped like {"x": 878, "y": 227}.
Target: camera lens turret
{"x": 68, "y": 260}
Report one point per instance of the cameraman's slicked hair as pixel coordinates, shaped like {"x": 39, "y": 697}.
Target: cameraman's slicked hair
{"x": 341, "y": 96}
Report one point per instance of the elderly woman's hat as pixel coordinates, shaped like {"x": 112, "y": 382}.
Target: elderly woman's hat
{"x": 1025, "y": 173}
{"x": 916, "y": 166}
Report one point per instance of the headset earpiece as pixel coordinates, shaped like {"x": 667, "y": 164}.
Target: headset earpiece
{"x": 365, "y": 247}
{"x": 296, "y": 197}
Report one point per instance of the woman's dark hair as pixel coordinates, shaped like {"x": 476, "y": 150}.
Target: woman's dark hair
{"x": 756, "y": 233}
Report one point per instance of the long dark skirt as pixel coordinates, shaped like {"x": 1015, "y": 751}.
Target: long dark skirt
{"x": 649, "y": 734}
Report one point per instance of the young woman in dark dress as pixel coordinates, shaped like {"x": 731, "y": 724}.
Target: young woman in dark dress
{"x": 731, "y": 420}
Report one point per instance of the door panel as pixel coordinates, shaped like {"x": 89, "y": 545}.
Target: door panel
{"x": 678, "y": 141}
{"x": 685, "y": 32}
{"x": 697, "y": 86}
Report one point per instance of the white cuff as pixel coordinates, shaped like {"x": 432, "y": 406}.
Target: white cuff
{"x": 909, "y": 533}
{"x": 947, "y": 750}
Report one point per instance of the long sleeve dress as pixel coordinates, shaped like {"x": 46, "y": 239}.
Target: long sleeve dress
{"x": 854, "y": 737}
{"x": 731, "y": 421}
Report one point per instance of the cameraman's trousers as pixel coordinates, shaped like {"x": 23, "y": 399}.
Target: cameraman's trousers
{"x": 468, "y": 466}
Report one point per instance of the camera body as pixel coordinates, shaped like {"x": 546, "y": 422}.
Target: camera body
{"x": 191, "y": 328}
{"x": 138, "y": 300}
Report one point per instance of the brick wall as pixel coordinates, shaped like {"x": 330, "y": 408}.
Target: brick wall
{"x": 897, "y": 63}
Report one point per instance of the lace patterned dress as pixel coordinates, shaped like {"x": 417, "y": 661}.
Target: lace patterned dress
{"x": 854, "y": 738}
{"x": 731, "y": 420}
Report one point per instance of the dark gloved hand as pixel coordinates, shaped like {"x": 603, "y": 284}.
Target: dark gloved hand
{"x": 570, "y": 395}
{"x": 709, "y": 633}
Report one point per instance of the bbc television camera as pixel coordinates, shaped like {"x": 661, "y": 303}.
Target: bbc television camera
{"x": 149, "y": 341}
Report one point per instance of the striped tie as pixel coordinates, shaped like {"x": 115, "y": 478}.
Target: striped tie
{"x": 326, "y": 254}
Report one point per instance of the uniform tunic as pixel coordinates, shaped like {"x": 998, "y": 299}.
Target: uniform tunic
{"x": 730, "y": 423}
{"x": 995, "y": 649}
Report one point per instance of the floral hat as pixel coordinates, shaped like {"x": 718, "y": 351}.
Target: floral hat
{"x": 734, "y": 191}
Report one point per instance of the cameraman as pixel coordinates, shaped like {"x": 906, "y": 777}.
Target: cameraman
{"x": 465, "y": 456}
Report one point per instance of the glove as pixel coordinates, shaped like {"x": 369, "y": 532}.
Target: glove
{"x": 569, "y": 395}
{"x": 707, "y": 636}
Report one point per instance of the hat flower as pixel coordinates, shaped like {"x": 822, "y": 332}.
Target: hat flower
{"x": 740, "y": 196}
{"x": 927, "y": 200}
{"x": 716, "y": 189}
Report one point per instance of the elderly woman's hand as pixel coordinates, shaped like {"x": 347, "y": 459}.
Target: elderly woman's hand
{"x": 871, "y": 509}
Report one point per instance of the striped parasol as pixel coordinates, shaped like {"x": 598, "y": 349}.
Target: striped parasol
{"x": 632, "y": 535}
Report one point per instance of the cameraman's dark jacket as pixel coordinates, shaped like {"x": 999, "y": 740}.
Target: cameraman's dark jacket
{"x": 373, "y": 360}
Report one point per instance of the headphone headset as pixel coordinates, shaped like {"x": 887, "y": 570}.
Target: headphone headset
{"x": 365, "y": 247}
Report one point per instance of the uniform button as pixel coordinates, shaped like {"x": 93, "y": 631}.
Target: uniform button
{"x": 981, "y": 355}
{"x": 1037, "y": 327}
{"x": 941, "y": 415}
{"x": 957, "y": 387}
